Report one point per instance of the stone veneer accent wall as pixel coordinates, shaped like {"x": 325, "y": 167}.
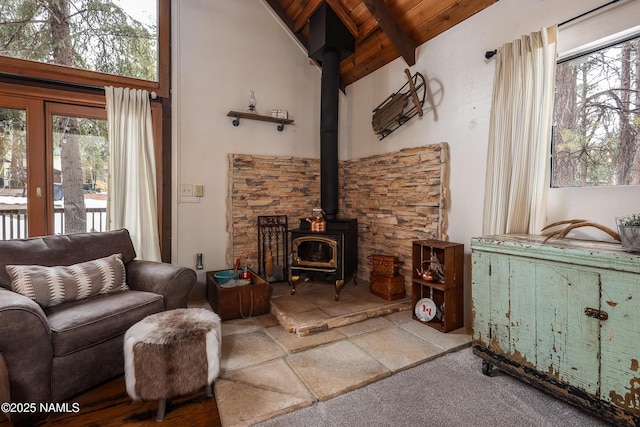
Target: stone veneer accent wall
{"x": 267, "y": 185}
{"x": 397, "y": 197}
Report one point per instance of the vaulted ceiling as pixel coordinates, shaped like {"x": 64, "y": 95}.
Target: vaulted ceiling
{"x": 383, "y": 29}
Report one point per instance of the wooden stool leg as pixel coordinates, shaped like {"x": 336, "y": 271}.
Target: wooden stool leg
{"x": 162, "y": 404}
{"x": 209, "y": 391}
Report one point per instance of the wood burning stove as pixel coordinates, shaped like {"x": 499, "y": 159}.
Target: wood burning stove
{"x": 332, "y": 253}
{"x": 324, "y": 255}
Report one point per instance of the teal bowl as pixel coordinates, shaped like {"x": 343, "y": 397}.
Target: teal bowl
{"x": 223, "y": 276}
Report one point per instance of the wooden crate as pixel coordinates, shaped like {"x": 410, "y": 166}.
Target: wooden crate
{"x": 240, "y": 301}
{"x": 389, "y": 288}
{"x": 385, "y": 265}
{"x": 448, "y": 294}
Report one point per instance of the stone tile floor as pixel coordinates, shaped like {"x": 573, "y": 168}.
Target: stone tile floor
{"x": 268, "y": 371}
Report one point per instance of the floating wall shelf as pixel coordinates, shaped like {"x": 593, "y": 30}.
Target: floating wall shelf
{"x": 252, "y": 116}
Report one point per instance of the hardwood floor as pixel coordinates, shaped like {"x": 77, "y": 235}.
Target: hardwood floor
{"x": 110, "y": 405}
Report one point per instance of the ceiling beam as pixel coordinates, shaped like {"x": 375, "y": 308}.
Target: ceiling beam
{"x": 304, "y": 16}
{"x": 344, "y": 16}
{"x": 366, "y": 28}
{"x": 388, "y": 23}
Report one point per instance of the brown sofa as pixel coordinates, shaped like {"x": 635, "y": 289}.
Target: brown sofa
{"x": 51, "y": 354}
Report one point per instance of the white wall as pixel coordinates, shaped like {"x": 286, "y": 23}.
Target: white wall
{"x": 221, "y": 50}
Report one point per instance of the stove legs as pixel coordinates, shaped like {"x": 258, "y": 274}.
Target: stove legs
{"x": 339, "y": 286}
{"x": 292, "y": 282}
{"x": 295, "y": 279}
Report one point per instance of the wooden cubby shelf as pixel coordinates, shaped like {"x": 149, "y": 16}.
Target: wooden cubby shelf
{"x": 448, "y": 293}
{"x": 252, "y": 116}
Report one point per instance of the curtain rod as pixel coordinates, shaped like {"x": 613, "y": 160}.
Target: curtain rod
{"x": 490, "y": 53}
{"x": 55, "y": 84}
{"x": 587, "y": 13}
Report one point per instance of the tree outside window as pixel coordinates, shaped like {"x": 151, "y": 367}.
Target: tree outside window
{"x": 596, "y": 138}
{"x": 113, "y": 37}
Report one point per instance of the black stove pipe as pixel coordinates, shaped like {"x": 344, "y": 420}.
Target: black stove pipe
{"x": 329, "y": 92}
{"x": 329, "y": 43}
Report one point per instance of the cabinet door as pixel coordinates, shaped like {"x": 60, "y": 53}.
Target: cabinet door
{"x": 490, "y": 295}
{"x": 568, "y": 345}
{"x": 620, "y": 361}
{"x": 480, "y": 294}
{"x": 522, "y": 316}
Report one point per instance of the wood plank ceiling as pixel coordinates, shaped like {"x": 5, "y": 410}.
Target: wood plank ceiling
{"x": 383, "y": 29}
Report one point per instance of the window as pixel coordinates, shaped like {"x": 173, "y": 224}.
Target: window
{"x": 596, "y": 136}
{"x": 107, "y": 37}
{"x": 126, "y": 42}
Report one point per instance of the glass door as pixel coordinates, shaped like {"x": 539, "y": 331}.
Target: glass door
{"x": 78, "y": 168}
{"x": 53, "y": 163}
{"x": 13, "y": 173}
{"x": 22, "y": 160}
{"x": 53, "y": 168}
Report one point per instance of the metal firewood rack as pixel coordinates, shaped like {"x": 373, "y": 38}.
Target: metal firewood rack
{"x": 273, "y": 237}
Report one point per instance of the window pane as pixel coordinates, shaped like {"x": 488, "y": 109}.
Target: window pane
{"x": 116, "y": 37}
{"x": 596, "y": 136}
{"x": 13, "y": 174}
{"x": 80, "y": 162}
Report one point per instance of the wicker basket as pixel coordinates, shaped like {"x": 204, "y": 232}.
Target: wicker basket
{"x": 389, "y": 288}
{"x": 384, "y": 265}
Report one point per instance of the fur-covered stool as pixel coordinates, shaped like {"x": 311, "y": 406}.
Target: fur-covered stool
{"x": 172, "y": 353}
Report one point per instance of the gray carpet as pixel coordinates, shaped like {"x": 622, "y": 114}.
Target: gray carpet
{"x": 448, "y": 391}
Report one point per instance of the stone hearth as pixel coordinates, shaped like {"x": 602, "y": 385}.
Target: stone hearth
{"x": 313, "y": 308}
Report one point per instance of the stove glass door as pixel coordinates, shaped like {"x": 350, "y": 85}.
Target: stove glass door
{"x": 315, "y": 252}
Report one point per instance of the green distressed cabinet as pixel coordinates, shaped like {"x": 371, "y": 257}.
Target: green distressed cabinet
{"x": 562, "y": 315}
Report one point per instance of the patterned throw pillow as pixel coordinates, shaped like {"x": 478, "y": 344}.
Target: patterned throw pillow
{"x": 49, "y": 286}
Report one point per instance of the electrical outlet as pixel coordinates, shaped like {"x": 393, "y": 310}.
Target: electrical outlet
{"x": 186, "y": 190}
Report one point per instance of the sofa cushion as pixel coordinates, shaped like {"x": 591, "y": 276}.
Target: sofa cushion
{"x": 81, "y": 324}
{"x": 50, "y": 286}
{"x": 64, "y": 249}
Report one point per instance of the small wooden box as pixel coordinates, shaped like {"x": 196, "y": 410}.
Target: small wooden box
{"x": 384, "y": 265}
{"x": 239, "y": 301}
{"x": 389, "y": 288}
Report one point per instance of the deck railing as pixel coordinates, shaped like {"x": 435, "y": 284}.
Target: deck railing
{"x": 13, "y": 222}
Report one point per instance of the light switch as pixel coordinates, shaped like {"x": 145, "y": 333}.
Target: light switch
{"x": 186, "y": 190}
{"x": 198, "y": 190}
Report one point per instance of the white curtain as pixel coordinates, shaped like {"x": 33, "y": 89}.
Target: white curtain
{"x": 520, "y": 135}
{"x": 132, "y": 200}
